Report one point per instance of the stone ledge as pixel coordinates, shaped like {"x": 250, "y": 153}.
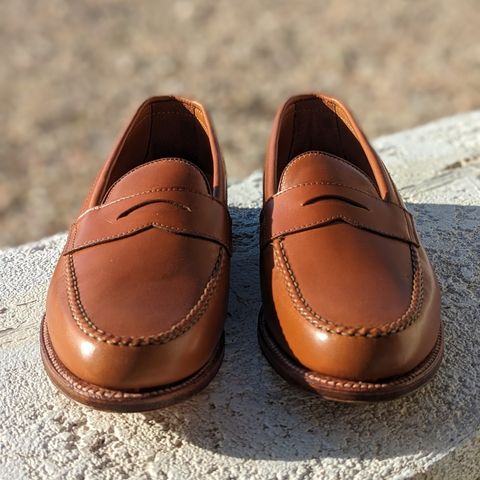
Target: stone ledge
{"x": 249, "y": 423}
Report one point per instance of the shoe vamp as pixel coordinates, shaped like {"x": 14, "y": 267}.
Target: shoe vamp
{"x": 144, "y": 284}
{"x": 350, "y": 276}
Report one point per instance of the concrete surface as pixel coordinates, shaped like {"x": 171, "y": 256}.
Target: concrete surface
{"x": 249, "y": 423}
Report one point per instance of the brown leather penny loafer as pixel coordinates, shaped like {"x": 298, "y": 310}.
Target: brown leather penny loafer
{"x": 351, "y": 305}
{"x": 136, "y": 306}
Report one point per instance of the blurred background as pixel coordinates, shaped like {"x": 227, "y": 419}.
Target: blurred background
{"x": 72, "y": 73}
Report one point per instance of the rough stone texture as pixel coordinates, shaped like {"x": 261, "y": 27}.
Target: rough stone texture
{"x": 249, "y": 423}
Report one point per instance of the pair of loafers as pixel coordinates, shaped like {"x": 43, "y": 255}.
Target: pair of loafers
{"x": 137, "y": 302}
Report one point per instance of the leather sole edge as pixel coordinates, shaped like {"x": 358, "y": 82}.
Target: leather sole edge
{"x": 101, "y": 398}
{"x": 344, "y": 390}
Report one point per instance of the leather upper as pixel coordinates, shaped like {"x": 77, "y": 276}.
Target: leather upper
{"x": 348, "y": 290}
{"x": 139, "y": 295}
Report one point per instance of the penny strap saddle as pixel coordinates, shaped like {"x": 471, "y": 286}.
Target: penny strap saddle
{"x": 319, "y": 204}
{"x": 175, "y": 210}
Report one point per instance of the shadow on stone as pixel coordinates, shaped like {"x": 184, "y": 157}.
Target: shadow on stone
{"x": 250, "y": 412}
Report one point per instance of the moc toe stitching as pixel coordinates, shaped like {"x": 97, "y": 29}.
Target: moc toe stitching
{"x": 87, "y": 326}
{"x": 306, "y": 311}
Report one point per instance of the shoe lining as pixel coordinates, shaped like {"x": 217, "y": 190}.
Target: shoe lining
{"x": 313, "y": 124}
{"x": 167, "y": 128}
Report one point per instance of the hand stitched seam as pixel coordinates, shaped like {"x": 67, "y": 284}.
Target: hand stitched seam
{"x": 407, "y": 319}
{"x": 87, "y": 326}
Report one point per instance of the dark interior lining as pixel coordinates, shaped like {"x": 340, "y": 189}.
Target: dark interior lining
{"x": 312, "y": 124}
{"x": 168, "y": 128}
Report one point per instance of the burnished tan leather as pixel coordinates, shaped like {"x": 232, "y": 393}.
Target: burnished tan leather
{"x": 139, "y": 295}
{"x": 348, "y": 290}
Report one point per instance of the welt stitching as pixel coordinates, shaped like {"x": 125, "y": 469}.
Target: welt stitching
{"x": 409, "y": 317}
{"x": 331, "y": 382}
{"x": 355, "y": 385}
{"x": 326, "y": 381}
{"x": 89, "y": 328}
{"x": 112, "y": 394}
{"x": 371, "y": 386}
